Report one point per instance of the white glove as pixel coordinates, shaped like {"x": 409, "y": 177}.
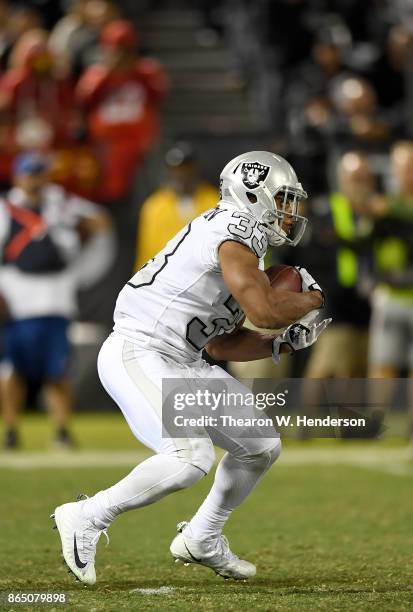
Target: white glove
{"x": 308, "y": 283}
{"x": 299, "y": 335}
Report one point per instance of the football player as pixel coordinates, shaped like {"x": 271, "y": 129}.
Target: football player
{"x": 191, "y": 296}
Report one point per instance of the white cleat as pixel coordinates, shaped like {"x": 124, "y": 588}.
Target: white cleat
{"x": 79, "y": 537}
{"x": 213, "y": 552}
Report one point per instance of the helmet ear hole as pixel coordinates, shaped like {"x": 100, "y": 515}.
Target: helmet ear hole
{"x": 252, "y": 197}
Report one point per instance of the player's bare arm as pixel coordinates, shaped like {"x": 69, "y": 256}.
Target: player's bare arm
{"x": 264, "y": 306}
{"x": 243, "y": 345}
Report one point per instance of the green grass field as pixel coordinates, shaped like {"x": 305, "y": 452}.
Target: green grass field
{"x": 329, "y": 528}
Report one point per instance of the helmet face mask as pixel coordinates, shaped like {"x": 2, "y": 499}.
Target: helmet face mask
{"x": 285, "y": 225}
{"x": 266, "y": 186}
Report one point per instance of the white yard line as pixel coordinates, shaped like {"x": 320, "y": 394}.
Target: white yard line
{"x": 163, "y": 590}
{"x": 384, "y": 460}
{"x": 76, "y": 459}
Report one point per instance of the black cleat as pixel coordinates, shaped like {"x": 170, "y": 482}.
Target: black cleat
{"x": 11, "y": 439}
{"x": 64, "y": 439}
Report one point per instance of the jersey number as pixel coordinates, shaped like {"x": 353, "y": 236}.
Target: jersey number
{"x": 244, "y": 228}
{"x": 199, "y": 334}
{"x": 175, "y": 243}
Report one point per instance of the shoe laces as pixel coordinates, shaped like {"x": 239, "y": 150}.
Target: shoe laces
{"x": 218, "y": 545}
{"x": 91, "y": 534}
{"x": 97, "y": 535}
{"x": 224, "y": 549}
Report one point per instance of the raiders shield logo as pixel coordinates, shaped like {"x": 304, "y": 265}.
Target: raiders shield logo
{"x": 253, "y": 174}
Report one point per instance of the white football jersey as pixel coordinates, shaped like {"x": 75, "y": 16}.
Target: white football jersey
{"x": 178, "y": 301}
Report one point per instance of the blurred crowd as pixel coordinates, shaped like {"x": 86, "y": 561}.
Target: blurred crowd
{"x": 335, "y": 81}
{"x": 348, "y": 109}
{"x": 79, "y": 91}
{"x": 79, "y": 110}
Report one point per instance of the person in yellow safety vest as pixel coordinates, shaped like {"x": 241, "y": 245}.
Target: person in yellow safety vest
{"x": 183, "y": 197}
{"x": 391, "y": 329}
{"x": 391, "y": 343}
{"x": 342, "y": 351}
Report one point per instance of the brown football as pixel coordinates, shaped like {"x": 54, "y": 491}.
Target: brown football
{"x": 284, "y": 277}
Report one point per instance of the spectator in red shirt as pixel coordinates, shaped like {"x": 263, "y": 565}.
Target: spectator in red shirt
{"x": 36, "y": 101}
{"x": 121, "y": 100}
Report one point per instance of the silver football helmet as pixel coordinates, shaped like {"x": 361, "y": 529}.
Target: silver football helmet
{"x": 266, "y": 186}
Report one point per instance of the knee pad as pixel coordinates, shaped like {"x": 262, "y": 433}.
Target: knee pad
{"x": 274, "y": 452}
{"x": 266, "y": 458}
{"x": 198, "y": 452}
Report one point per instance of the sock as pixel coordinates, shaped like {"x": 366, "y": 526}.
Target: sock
{"x": 145, "y": 484}
{"x": 234, "y": 481}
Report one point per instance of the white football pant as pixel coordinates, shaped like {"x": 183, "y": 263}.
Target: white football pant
{"x": 133, "y": 378}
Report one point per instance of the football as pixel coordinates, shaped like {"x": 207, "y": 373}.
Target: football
{"x": 284, "y": 277}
